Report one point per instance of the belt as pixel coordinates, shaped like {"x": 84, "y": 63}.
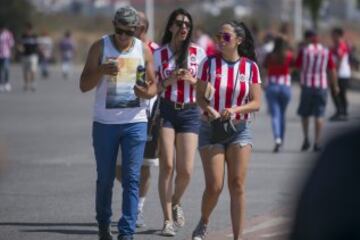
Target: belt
{"x": 177, "y": 105}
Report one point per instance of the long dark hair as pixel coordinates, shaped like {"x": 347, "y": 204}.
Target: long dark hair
{"x": 279, "y": 51}
{"x": 247, "y": 46}
{"x": 182, "y": 53}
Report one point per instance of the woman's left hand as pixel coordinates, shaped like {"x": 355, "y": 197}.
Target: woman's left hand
{"x": 187, "y": 76}
{"x": 227, "y": 113}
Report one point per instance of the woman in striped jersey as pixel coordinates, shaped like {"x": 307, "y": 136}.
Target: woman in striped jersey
{"x": 176, "y": 65}
{"x": 278, "y": 90}
{"x": 235, "y": 78}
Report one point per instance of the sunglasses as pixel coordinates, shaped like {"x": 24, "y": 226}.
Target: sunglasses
{"x": 180, "y": 23}
{"x": 120, "y": 31}
{"x": 224, "y": 36}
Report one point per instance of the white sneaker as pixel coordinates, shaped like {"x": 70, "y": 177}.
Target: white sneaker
{"x": 168, "y": 229}
{"x": 7, "y": 87}
{"x": 140, "y": 221}
{"x": 178, "y": 215}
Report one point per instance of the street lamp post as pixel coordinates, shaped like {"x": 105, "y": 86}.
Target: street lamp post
{"x": 297, "y": 19}
{"x": 149, "y": 11}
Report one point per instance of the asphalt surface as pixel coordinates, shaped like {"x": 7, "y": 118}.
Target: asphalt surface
{"x": 47, "y": 169}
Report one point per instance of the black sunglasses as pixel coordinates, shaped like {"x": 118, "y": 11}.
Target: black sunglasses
{"x": 180, "y": 23}
{"x": 120, "y": 31}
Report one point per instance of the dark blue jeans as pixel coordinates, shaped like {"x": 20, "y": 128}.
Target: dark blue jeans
{"x": 4, "y": 70}
{"x": 278, "y": 97}
{"x": 106, "y": 141}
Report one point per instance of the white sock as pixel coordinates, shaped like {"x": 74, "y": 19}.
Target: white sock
{"x": 278, "y": 140}
{"x": 141, "y": 204}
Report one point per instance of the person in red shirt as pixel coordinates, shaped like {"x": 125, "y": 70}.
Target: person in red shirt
{"x": 235, "y": 77}
{"x": 204, "y": 41}
{"x": 341, "y": 53}
{"x": 317, "y": 68}
{"x": 278, "y": 87}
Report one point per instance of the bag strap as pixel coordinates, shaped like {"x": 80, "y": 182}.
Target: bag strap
{"x": 236, "y": 81}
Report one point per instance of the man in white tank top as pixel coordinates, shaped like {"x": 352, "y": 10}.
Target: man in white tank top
{"x": 151, "y": 147}
{"x": 116, "y": 65}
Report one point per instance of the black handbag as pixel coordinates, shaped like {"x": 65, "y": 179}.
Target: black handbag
{"x": 222, "y": 130}
{"x": 151, "y": 150}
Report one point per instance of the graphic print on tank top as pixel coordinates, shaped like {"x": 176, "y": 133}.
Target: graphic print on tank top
{"x": 120, "y": 93}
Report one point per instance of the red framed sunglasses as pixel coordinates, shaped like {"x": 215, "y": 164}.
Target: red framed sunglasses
{"x": 224, "y": 36}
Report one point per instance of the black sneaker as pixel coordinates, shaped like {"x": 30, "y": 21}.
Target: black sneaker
{"x": 306, "y": 145}
{"x": 277, "y": 148}
{"x": 336, "y": 117}
{"x": 105, "y": 233}
{"x": 317, "y": 148}
{"x": 200, "y": 231}
{"x": 343, "y": 117}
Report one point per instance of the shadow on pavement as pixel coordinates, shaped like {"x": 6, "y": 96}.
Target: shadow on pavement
{"x": 148, "y": 231}
{"x": 45, "y": 224}
{"x": 63, "y": 231}
{"x": 288, "y": 151}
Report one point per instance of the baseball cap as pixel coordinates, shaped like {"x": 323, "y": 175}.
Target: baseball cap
{"x": 127, "y": 16}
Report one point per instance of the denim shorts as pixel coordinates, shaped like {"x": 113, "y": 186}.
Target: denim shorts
{"x": 181, "y": 120}
{"x": 312, "y": 102}
{"x": 243, "y": 137}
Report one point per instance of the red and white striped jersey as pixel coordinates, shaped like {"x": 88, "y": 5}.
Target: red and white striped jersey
{"x": 153, "y": 46}
{"x": 222, "y": 75}
{"x": 278, "y": 73}
{"x": 313, "y": 61}
{"x": 341, "y": 54}
{"x": 164, "y": 63}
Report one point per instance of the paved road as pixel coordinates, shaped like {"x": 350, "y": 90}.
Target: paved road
{"x": 47, "y": 180}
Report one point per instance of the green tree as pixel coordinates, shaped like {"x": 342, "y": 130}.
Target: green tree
{"x": 314, "y": 9}
{"x": 14, "y": 14}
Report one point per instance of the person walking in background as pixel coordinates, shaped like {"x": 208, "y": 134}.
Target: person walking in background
{"x": 30, "y": 57}
{"x": 317, "y": 68}
{"x": 151, "y": 147}
{"x": 277, "y": 65}
{"x": 341, "y": 52}
{"x": 235, "y": 77}
{"x": 6, "y": 45}
{"x": 265, "y": 47}
{"x": 46, "y": 51}
{"x": 205, "y": 41}
{"x": 120, "y": 117}
{"x": 176, "y": 64}
{"x": 67, "y": 52}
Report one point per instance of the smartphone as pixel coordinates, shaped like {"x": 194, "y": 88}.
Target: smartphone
{"x": 140, "y": 76}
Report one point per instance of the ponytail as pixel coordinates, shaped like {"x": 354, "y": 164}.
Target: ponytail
{"x": 247, "y": 46}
